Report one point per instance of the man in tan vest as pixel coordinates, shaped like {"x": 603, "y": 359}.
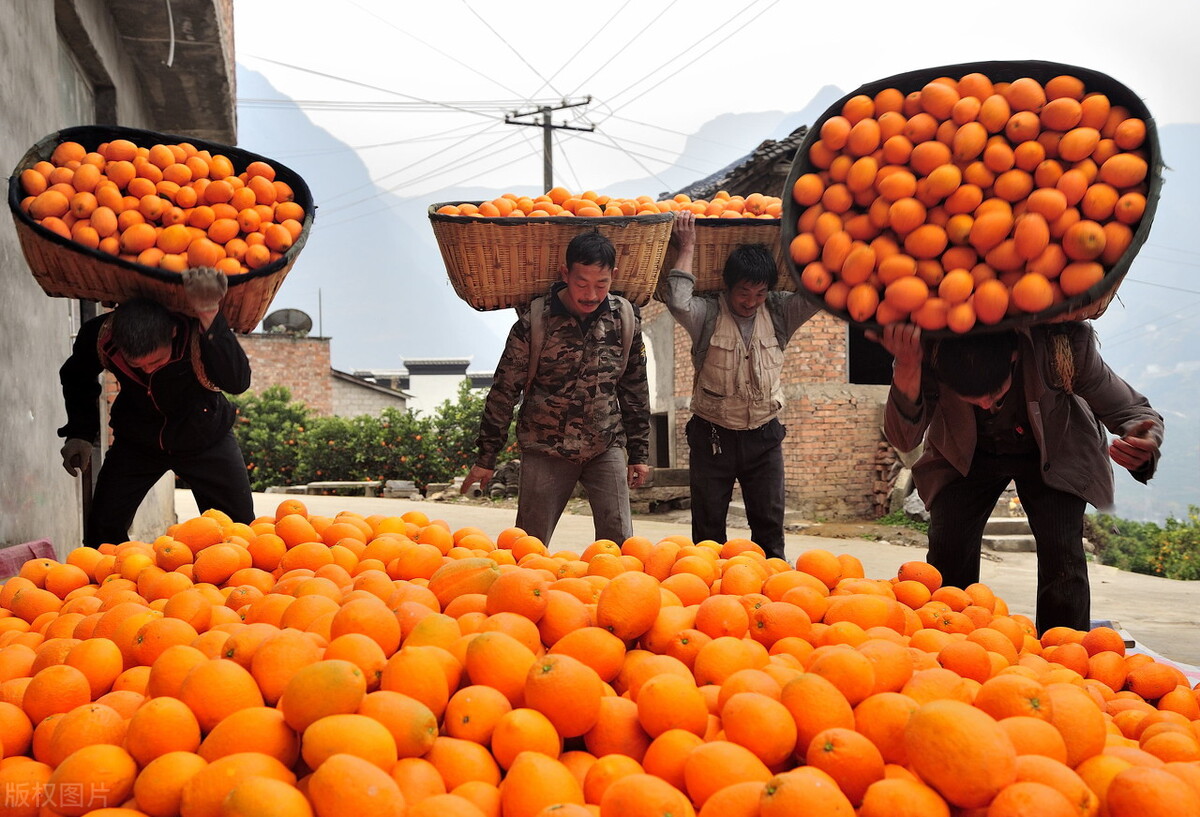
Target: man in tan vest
{"x": 738, "y": 338}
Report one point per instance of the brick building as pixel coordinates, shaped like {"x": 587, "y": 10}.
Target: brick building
{"x": 835, "y": 382}
{"x": 301, "y": 363}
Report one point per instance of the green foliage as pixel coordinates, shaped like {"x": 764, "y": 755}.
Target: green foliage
{"x": 902, "y": 520}
{"x": 269, "y": 429}
{"x": 1171, "y": 551}
{"x": 284, "y": 444}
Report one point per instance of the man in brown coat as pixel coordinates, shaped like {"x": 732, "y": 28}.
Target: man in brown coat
{"x": 1030, "y": 407}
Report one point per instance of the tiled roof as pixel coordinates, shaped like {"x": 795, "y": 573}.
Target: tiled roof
{"x": 764, "y": 170}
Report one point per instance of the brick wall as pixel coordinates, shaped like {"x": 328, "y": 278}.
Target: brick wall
{"x": 301, "y": 364}
{"x": 834, "y": 428}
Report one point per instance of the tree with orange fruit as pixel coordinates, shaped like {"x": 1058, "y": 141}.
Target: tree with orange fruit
{"x": 170, "y": 413}
{"x": 1021, "y": 406}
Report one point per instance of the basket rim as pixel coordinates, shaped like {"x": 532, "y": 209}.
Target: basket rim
{"x": 996, "y": 70}
{"x": 140, "y": 136}
{"x": 615, "y": 221}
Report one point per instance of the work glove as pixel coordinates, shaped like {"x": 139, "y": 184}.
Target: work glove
{"x": 204, "y": 287}
{"x": 76, "y": 454}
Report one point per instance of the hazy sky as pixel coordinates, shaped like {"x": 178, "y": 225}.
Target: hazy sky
{"x": 420, "y": 89}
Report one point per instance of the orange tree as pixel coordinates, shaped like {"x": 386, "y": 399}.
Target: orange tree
{"x": 283, "y": 443}
{"x": 269, "y": 428}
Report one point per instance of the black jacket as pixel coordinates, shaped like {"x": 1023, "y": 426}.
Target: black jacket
{"x": 179, "y": 408}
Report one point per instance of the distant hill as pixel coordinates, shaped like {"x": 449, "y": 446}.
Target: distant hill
{"x": 372, "y": 278}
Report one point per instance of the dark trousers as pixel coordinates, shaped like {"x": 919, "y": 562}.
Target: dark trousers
{"x": 754, "y": 459}
{"x": 217, "y": 477}
{"x": 961, "y": 510}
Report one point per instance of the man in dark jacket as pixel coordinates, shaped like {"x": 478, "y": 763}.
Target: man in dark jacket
{"x": 1029, "y": 406}
{"x": 170, "y": 413}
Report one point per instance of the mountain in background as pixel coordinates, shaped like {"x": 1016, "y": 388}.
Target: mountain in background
{"x": 372, "y": 278}
{"x": 1150, "y": 334}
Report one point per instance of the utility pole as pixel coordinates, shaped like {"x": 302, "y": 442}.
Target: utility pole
{"x": 547, "y": 126}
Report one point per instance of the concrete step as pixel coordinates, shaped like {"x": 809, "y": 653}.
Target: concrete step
{"x": 737, "y": 510}
{"x": 1010, "y": 542}
{"x": 1001, "y": 525}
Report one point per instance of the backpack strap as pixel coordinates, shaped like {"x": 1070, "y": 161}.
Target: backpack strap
{"x": 537, "y": 332}
{"x": 537, "y": 336}
{"x": 627, "y": 325}
{"x": 700, "y": 353}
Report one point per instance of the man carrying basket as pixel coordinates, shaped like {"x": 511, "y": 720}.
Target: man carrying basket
{"x": 170, "y": 414}
{"x": 577, "y": 361}
{"x": 738, "y": 340}
{"x": 1030, "y": 407}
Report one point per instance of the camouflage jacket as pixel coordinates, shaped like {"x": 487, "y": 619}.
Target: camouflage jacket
{"x": 580, "y": 404}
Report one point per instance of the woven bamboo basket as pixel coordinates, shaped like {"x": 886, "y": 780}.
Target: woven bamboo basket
{"x": 1086, "y": 305}
{"x": 65, "y": 269}
{"x": 498, "y": 263}
{"x": 717, "y": 237}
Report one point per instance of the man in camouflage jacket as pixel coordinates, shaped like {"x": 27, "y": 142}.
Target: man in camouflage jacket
{"x": 585, "y": 413}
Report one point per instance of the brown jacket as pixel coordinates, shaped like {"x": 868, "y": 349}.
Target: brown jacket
{"x": 1069, "y": 427}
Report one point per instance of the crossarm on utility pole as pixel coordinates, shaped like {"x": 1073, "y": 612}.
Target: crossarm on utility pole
{"x": 547, "y": 126}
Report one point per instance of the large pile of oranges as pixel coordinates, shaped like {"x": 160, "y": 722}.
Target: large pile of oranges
{"x": 169, "y": 206}
{"x": 559, "y": 201}
{"x": 348, "y": 666}
{"x": 968, "y": 200}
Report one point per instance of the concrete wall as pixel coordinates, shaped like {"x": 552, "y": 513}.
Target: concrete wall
{"x": 832, "y": 450}
{"x": 300, "y": 363}
{"x": 429, "y": 391}
{"x": 38, "y": 498}
{"x": 352, "y": 400}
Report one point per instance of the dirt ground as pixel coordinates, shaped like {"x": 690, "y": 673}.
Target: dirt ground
{"x": 895, "y": 534}
{"x": 834, "y": 529}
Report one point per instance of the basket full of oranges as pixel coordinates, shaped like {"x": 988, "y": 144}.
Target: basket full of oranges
{"x": 108, "y": 213}
{"x": 504, "y": 252}
{"x": 973, "y": 197}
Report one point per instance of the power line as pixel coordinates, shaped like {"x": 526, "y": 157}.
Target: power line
{"x": 389, "y": 205}
{"x": 602, "y": 64}
{"x": 520, "y": 56}
{"x": 699, "y": 55}
{"x": 374, "y": 106}
{"x": 453, "y": 58}
{"x": 1161, "y": 286}
{"x": 302, "y": 69}
{"x": 488, "y": 151}
{"x": 376, "y": 182}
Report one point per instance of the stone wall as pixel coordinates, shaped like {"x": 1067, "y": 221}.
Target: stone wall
{"x": 37, "y": 498}
{"x": 299, "y": 363}
{"x": 352, "y": 400}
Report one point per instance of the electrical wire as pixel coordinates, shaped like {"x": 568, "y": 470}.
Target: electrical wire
{"x": 302, "y": 69}
{"x": 602, "y": 64}
{"x": 390, "y": 205}
{"x": 486, "y": 151}
{"x": 700, "y": 53}
{"x": 436, "y": 50}
{"x": 519, "y": 55}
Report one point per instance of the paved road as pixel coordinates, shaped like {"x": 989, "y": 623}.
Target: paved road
{"x": 1161, "y": 614}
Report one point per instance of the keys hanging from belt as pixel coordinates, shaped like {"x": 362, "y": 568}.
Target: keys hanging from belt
{"x": 716, "y": 440}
